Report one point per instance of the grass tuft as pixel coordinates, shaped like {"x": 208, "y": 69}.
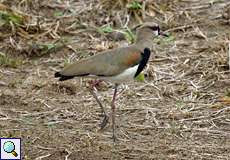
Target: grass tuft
{"x": 9, "y": 62}
{"x": 134, "y": 5}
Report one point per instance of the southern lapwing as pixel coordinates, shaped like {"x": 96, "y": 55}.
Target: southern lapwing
{"x": 117, "y": 65}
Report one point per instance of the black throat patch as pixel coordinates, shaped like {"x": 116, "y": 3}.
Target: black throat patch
{"x": 145, "y": 58}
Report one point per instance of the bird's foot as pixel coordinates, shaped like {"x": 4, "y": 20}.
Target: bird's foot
{"x": 104, "y": 121}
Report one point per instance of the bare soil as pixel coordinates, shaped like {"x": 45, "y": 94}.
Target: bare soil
{"x": 181, "y": 111}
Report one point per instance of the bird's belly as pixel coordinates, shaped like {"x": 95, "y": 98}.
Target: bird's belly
{"x": 125, "y": 76}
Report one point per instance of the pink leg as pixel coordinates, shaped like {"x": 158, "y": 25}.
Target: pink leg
{"x": 113, "y": 111}
{"x": 93, "y": 92}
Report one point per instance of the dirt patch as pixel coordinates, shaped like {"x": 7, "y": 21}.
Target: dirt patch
{"x": 181, "y": 111}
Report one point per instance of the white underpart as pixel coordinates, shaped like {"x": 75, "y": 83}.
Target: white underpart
{"x": 125, "y": 76}
{"x": 155, "y": 33}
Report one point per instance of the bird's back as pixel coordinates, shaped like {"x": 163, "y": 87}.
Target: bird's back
{"x": 107, "y": 63}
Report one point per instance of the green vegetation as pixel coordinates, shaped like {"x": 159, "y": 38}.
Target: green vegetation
{"x": 66, "y": 62}
{"x": 6, "y": 18}
{"x": 165, "y": 40}
{"x": 129, "y": 35}
{"x": 45, "y": 48}
{"x": 58, "y": 13}
{"x": 140, "y": 77}
{"x": 9, "y": 62}
{"x": 227, "y": 92}
{"x": 134, "y": 5}
{"x": 105, "y": 29}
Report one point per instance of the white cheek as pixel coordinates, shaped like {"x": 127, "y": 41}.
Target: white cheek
{"x": 155, "y": 33}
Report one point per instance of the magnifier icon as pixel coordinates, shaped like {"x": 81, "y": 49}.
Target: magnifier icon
{"x": 9, "y": 147}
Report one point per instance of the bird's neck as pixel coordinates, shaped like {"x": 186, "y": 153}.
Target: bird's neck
{"x": 144, "y": 39}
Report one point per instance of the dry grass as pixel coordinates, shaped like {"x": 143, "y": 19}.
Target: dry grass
{"x": 180, "y": 112}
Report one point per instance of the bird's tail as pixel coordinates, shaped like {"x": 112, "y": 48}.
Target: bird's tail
{"x": 62, "y": 77}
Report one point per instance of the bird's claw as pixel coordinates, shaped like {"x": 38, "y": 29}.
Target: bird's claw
{"x": 104, "y": 121}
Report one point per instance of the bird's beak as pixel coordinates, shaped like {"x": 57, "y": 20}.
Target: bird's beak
{"x": 163, "y": 34}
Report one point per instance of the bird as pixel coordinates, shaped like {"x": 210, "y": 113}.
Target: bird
{"x": 118, "y": 66}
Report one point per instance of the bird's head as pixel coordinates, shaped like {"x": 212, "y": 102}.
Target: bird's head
{"x": 148, "y": 27}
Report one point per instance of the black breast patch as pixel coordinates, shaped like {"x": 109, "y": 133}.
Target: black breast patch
{"x": 144, "y": 60}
